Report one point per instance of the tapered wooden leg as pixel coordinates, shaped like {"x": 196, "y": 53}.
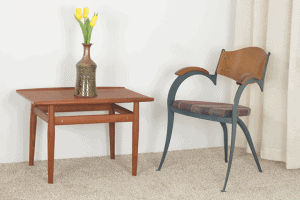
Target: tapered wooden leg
{"x": 33, "y": 119}
{"x": 112, "y": 136}
{"x": 51, "y": 142}
{"x": 135, "y": 137}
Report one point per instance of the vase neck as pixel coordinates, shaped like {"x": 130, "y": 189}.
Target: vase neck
{"x": 86, "y": 51}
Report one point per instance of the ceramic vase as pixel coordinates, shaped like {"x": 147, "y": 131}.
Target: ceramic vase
{"x": 86, "y": 75}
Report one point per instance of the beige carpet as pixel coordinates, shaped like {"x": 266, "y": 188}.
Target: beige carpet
{"x": 187, "y": 174}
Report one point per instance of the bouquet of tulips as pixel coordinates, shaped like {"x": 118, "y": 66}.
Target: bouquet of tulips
{"x": 88, "y": 24}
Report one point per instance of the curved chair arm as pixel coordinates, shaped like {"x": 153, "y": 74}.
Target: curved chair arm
{"x": 238, "y": 96}
{"x": 245, "y": 77}
{"x": 189, "y": 69}
{"x": 184, "y": 74}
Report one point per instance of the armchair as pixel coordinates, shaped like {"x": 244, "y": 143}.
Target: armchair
{"x": 245, "y": 66}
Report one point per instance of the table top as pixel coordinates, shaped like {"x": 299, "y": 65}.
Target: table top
{"x": 65, "y": 96}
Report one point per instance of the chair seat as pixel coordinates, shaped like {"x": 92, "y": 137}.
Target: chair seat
{"x": 210, "y": 108}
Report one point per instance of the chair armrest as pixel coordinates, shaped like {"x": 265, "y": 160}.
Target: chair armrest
{"x": 185, "y": 73}
{"x": 190, "y": 69}
{"x": 245, "y": 77}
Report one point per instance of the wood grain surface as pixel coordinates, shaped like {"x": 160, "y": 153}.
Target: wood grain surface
{"x": 65, "y": 96}
{"x": 33, "y": 120}
{"x": 51, "y": 142}
{"x": 190, "y": 69}
{"x": 135, "y": 137}
{"x": 233, "y": 64}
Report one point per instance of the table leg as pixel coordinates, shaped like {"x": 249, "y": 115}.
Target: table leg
{"x": 51, "y": 142}
{"x": 33, "y": 119}
{"x": 112, "y": 136}
{"x": 135, "y": 137}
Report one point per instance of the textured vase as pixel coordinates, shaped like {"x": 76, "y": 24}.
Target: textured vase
{"x": 86, "y": 75}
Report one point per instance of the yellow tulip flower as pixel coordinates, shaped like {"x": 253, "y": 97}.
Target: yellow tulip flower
{"x": 85, "y": 12}
{"x": 78, "y": 13}
{"x": 93, "y": 21}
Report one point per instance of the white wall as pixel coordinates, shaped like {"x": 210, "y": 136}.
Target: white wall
{"x": 136, "y": 44}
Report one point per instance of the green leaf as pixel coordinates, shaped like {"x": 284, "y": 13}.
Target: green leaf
{"x": 83, "y": 28}
{"x": 89, "y": 29}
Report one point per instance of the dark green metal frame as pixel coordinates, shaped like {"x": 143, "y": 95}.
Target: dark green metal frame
{"x": 234, "y": 120}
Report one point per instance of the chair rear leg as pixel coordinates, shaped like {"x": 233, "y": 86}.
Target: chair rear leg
{"x": 233, "y": 134}
{"x": 247, "y": 134}
{"x": 225, "y": 140}
{"x": 169, "y": 134}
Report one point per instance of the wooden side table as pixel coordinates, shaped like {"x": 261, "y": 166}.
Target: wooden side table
{"x": 46, "y": 101}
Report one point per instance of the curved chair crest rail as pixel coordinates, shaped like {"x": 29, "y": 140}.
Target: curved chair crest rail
{"x": 245, "y": 66}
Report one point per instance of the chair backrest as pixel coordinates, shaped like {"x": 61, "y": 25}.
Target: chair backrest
{"x": 234, "y": 64}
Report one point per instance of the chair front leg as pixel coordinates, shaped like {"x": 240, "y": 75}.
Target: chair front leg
{"x": 233, "y": 135}
{"x": 169, "y": 134}
{"x": 225, "y": 140}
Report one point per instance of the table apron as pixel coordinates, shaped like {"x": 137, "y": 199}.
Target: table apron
{"x": 40, "y": 114}
{"x": 92, "y": 119}
{"x": 77, "y": 108}
{"x": 124, "y": 116}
